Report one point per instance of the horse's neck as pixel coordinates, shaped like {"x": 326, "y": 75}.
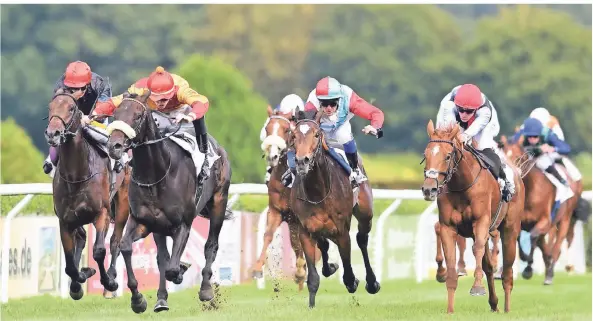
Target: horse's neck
{"x": 466, "y": 171}
{"x": 152, "y": 160}
{"x": 74, "y": 156}
{"x": 317, "y": 181}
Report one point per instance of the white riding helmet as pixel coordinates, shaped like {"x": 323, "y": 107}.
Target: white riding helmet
{"x": 541, "y": 114}
{"x": 290, "y": 103}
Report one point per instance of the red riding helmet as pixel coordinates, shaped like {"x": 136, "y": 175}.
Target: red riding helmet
{"x": 78, "y": 74}
{"x": 161, "y": 84}
{"x": 469, "y": 96}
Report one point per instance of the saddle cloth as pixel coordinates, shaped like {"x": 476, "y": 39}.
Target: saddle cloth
{"x": 563, "y": 192}
{"x": 189, "y": 144}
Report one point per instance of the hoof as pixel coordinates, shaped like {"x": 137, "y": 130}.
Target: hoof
{"x": 527, "y": 273}
{"x": 373, "y": 288}
{"x": 139, "y": 307}
{"x": 441, "y": 278}
{"x": 88, "y": 272}
{"x": 109, "y": 294}
{"x": 498, "y": 274}
{"x": 353, "y": 287}
{"x": 172, "y": 275}
{"x": 332, "y": 268}
{"x": 477, "y": 291}
{"x": 110, "y": 285}
{"x": 161, "y": 305}
{"x": 258, "y": 274}
{"x": 206, "y": 294}
{"x": 569, "y": 268}
{"x": 548, "y": 281}
{"x": 461, "y": 272}
{"x": 76, "y": 294}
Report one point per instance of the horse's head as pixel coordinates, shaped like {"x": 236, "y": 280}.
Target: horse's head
{"x": 512, "y": 150}
{"x": 130, "y": 124}
{"x": 442, "y": 155}
{"x": 64, "y": 117}
{"x": 307, "y": 138}
{"x": 278, "y": 131}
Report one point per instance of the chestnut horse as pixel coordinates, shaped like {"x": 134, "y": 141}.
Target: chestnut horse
{"x": 85, "y": 190}
{"x": 323, "y": 200}
{"x": 274, "y": 146}
{"x": 472, "y": 207}
{"x": 539, "y": 201}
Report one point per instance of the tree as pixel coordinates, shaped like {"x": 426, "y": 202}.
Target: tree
{"x": 235, "y": 115}
{"x": 20, "y": 160}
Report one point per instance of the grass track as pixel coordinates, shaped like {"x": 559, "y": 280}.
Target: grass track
{"x": 568, "y": 299}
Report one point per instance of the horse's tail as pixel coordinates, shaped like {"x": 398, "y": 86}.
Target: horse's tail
{"x": 228, "y": 214}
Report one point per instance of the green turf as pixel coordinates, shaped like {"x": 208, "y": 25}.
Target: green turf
{"x": 568, "y": 299}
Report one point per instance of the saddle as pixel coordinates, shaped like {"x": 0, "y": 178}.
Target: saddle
{"x": 487, "y": 159}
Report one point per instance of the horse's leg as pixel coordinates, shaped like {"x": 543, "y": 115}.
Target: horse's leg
{"x": 310, "y": 248}
{"x": 173, "y": 270}
{"x": 449, "y": 238}
{"x": 344, "y": 246}
{"x": 162, "y": 259}
{"x": 489, "y": 267}
{"x": 546, "y": 256}
{"x": 441, "y": 271}
{"x": 364, "y": 216}
{"x": 509, "y": 252}
{"x": 122, "y": 211}
{"x": 563, "y": 227}
{"x": 72, "y": 244}
{"x": 134, "y": 232}
{"x": 328, "y": 269}
{"x": 301, "y": 272}
{"x": 461, "y": 244}
{"x": 102, "y": 226}
{"x": 495, "y": 252}
{"x": 274, "y": 219}
{"x": 569, "y": 238}
{"x": 538, "y": 231}
{"x": 211, "y": 247}
{"x": 480, "y": 228}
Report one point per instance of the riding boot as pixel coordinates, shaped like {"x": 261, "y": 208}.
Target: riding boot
{"x": 507, "y": 194}
{"x": 287, "y": 177}
{"x": 202, "y": 138}
{"x": 355, "y": 174}
{"x": 51, "y": 161}
{"x": 552, "y": 170}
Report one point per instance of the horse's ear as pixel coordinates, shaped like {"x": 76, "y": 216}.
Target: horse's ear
{"x": 455, "y": 131}
{"x": 299, "y": 114}
{"x": 145, "y": 95}
{"x": 270, "y": 110}
{"x": 78, "y": 94}
{"x": 430, "y": 128}
{"x": 126, "y": 94}
{"x": 318, "y": 117}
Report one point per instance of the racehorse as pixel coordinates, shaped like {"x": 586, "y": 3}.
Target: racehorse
{"x": 324, "y": 202}
{"x": 274, "y": 146}
{"x": 85, "y": 190}
{"x": 471, "y": 207}
{"x": 165, "y": 199}
{"x": 539, "y": 201}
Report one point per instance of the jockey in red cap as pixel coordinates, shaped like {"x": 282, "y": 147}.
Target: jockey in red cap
{"x": 475, "y": 114}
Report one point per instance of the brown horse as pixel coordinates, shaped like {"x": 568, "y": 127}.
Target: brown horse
{"x": 83, "y": 193}
{"x": 274, "y": 146}
{"x": 324, "y": 202}
{"x": 539, "y": 201}
{"x": 469, "y": 208}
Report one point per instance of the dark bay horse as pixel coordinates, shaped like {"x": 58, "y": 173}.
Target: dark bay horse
{"x": 165, "y": 197}
{"x": 540, "y": 194}
{"x": 472, "y": 207}
{"x": 82, "y": 193}
{"x": 324, "y": 202}
{"x": 274, "y": 147}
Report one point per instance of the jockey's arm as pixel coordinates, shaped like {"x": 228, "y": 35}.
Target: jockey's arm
{"x": 364, "y": 109}
{"x": 312, "y": 103}
{"x": 199, "y": 103}
{"x": 483, "y": 116}
{"x": 560, "y": 146}
{"x": 446, "y": 114}
{"x": 103, "y": 88}
{"x": 107, "y": 107}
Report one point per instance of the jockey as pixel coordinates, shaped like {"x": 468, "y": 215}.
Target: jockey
{"x": 552, "y": 123}
{"x": 339, "y": 103}
{"x": 288, "y": 105}
{"x": 475, "y": 113}
{"x": 546, "y": 146}
{"x": 96, "y": 90}
{"x": 169, "y": 93}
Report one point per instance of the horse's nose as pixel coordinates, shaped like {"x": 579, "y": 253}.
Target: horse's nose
{"x": 429, "y": 192}
{"x": 303, "y": 160}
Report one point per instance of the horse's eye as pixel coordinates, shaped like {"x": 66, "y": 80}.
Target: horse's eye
{"x": 317, "y": 135}
{"x": 448, "y": 157}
